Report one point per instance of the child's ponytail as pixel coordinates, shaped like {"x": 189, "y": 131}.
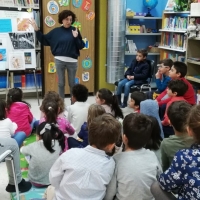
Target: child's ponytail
{"x": 51, "y": 110}
{"x": 48, "y": 132}
{"x": 116, "y": 108}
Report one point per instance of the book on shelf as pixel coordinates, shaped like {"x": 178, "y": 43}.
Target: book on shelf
{"x": 175, "y": 23}
{"x": 174, "y": 56}
{"x": 194, "y": 59}
{"x": 174, "y": 40}
{"x": 130, "y": 46}
{"x": 20, "y": 3}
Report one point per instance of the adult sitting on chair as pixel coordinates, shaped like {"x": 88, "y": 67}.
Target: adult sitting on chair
{"x": 11, "y": 144}
{"x": 136, "y": 74}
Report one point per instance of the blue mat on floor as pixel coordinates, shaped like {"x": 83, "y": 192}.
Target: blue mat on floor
{"x": 33, "y": 194}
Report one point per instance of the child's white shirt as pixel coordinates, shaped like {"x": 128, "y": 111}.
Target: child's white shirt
{"x": 7, "y": 128}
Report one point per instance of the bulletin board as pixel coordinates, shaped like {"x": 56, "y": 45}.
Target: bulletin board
{"x": 84, "y": 10}
{"x": 17, "y": 41}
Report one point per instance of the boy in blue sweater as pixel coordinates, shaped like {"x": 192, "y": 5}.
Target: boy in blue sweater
{"x": 136, "y": 74}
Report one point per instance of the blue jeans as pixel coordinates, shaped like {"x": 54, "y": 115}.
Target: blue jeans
{"x": 19, "y": 136}
{"x": 127, "y": 86}
{"x": 71, "y": 68}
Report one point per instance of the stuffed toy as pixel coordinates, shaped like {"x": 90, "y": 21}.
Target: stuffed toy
{"x": 192, "y": 28}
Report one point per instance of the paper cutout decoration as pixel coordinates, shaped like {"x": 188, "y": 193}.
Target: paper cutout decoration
{"x": 63, "y": 2}
{"x": 90, "y": 15}
{"x": 77, "y": 80}
{"x": 86, "y": 5}
{"x": 87, "y": 63}
{"x": 85, "y": 76}
{"x": 16, "y": 61}
{"x": 49, "y": 21}
{"x": 77, "y": 3}
{"x": 85, "y": 40}
{"x": 77, "y": 24}
{"x": 51, "y": 68}
{"x": 52, "y": 7}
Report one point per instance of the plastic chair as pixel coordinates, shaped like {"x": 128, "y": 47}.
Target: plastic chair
{"x": 147, "y": 84}
{"x": 4, "y": 156}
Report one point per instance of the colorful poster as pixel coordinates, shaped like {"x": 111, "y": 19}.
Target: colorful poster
{"x": 28, "y": 58}
{"x": 23, "y": 24}
{"x": 3, "y": 58}
{"x": 49, "y": 21}
{"x": 6, "y": 25}
{"x": 77, "y": 3}
{"x": 16, "y": 61}
{"x": 52, "y": 7}
{"x": 90, "y": 15}
{"x": 86, "y": 5}
{"x": 63, "y": 2}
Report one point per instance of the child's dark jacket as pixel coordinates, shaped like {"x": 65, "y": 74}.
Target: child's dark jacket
{"x": 140, "y": 71}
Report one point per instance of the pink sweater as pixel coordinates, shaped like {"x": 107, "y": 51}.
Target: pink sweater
{"x": 20, "y": 114}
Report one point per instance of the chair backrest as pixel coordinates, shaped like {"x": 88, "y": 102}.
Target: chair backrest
{"x": 151, "y": 69}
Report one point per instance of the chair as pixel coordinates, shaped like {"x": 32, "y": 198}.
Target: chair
{"x": 146, "y": 85}
{"x": 10, "y": 159}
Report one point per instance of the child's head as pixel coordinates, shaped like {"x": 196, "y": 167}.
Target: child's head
{"x": 94, "y": 111}
{"x": 105, "y": 96}
{"x": 15, "y": 95}
{"x": 48, "y": 132}
{"x": 165, "y": 65}
{"x": 2, "y": 109}
{"x": 137, "y": 129}
{"x": 177, "y": 113}
{"x": 155, "y": 139}
{"x": 53, "y": 96}
{"x": 51, "y": 110}
{"x": 79, "y": 93}
{"x": 178, "y": 70}
{"x": 141, "y": 55}
{"x": 176, "y": 88}
{"x": 136, "y": 98}
{"x": 103, "y": 132}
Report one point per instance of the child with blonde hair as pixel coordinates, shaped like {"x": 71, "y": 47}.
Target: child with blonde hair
{"x": 51, "y": 110}
{"x": 82, "y": 140}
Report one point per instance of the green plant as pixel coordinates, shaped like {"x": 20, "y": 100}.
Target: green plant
{"x": 181, "y": 5}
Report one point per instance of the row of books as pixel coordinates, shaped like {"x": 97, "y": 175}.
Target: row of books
{"x": 22, "y": 81}
{"x": 194, "y": 59}
{"x": 174, "y": 40}
{"x": 130, "y": 46}
{"x": 175, "y": 23}
{"x": 174, "y": 56}
{"x": 18, "y": 3}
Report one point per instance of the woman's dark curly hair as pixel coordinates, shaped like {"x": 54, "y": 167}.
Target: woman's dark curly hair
{"x": 64, "y": 14}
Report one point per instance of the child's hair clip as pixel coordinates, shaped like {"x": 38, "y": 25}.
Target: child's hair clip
{"x": 47, "y": 126}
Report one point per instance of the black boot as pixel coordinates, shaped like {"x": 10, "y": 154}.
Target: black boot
{"x": 23, "y": 186}
{"x": 119, "y": 97}
{"x": 125, "y": 102}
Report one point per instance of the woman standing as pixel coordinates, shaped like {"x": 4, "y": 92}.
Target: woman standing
{"x": 65, "y": 43}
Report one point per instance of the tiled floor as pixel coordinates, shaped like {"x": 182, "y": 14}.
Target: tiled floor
{"x": 36, "y": 113}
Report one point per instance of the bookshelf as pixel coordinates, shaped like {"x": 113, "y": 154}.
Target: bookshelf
{"x": 193, "y": 56}
{"x": 22, "y": 78}
{"x": 173, "y": 35}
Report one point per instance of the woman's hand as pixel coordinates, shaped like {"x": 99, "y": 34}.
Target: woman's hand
{"x": 33, "y": 23}
{"x": 75, "y": 33}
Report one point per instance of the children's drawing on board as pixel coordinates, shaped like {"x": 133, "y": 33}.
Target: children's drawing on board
{"x": 22, "y": 40}
{"x": 23, "y": 24}
{"x": 16, "y": 61}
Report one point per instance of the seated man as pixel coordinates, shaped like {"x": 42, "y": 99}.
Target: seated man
{"x": 136, "y": 74}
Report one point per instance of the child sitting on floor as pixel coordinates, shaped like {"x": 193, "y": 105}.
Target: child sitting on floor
{"x": 108, "y": 101}
{"x": 78, "y": 111}
{"x": 176, "y": 90}
{"x": 135, "y": 100}
{"x": 177, "y": 114}
{"x": 82, "y": 140}
{"x": 136, "y": 74}
{"x": 84, "y": 173}
{"x": 136, "y": 168}
{"x": 183, "y": 173}
{"x": 51, "y": 110}
{"x": 18, "y": 111}
{"x": 43, "y": 153}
